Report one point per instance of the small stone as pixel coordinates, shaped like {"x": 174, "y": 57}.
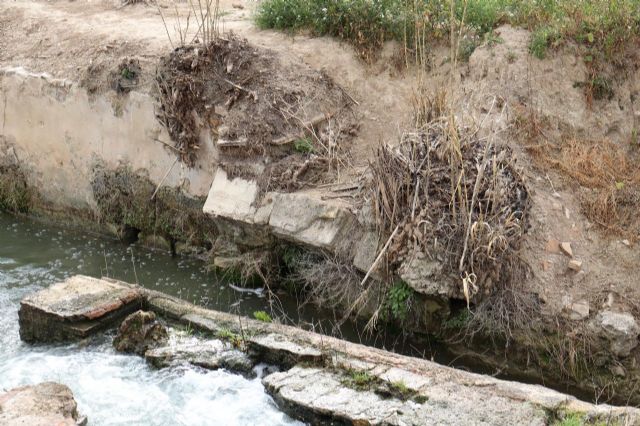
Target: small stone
{"x": 620, "y": 329}
{"x": 566, "y": 248}
{"x": 576, "y": 311}
{"x": 617, "y": 370}
{"x": 626, "y": 243}
{"x": 575, "y": 265}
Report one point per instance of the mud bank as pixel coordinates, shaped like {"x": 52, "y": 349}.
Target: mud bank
{"x": 330, "y": 380}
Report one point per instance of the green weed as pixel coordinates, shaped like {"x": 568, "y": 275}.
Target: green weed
{"x": 303, "y": 146}
{"x": 262, "y": 316}
{"x": 398, "y": 300}
{"x": 603, "y": 26}
{"x": 229, "y": 336}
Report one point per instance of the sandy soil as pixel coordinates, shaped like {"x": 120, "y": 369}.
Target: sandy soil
{"x": 68, "y": 38}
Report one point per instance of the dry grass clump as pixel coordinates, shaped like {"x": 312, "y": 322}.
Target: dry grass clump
{"x": 326, "y": 281}
{"x": 606, "y": 173}
{"x": 455, "y": 197}
{"x": 610, "y": 178}
{"x": 15, "y": 194}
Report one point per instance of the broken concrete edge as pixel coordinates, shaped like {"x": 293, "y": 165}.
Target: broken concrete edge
{"x": 75, "y": 308}
{"x": 417, "y": 374}
{"x": 301, "y": 218}
{"x": 46, "y": 403}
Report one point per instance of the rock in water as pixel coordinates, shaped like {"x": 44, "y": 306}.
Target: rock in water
{"x": 140, "y": 332}
{"x": 45, "y": 404}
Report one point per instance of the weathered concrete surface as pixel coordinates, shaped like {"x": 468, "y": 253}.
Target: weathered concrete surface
{"x": 45, "y": 404}
{"x": 75, "y": 309}
{"x": 306, "y": 219}
{"x": 58, "y": 132}
{"x": 453, "y": 396}
{"x": 320, "y": 396}
{"x": 275, "y": 348}
{"x": 236, "y": 199}
{"x": 209, "y": 354}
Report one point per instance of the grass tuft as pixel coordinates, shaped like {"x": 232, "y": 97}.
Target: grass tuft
{"x": 262, "y": 316}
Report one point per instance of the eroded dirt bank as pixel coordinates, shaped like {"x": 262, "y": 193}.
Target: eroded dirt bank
{"x": 280, "y": 150}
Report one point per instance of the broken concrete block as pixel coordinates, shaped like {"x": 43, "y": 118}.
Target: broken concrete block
{"x": 280, "y": 350}
{"x": 366, "y": 251}
{"x": 575, "y": 265}
{"x": 139, "y": 332}
{"x": 44, "y": 404}
{"x": 236, "y": 199}
{"x": 305, "y": 219}
{"x": 566, "y": 249}
{"x": 575, "y": 311}
{"x": 75, "y": 309}
{"x": 424, "y": 275}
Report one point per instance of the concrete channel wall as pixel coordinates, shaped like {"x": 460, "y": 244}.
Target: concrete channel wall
{"x": 57, "y": 132}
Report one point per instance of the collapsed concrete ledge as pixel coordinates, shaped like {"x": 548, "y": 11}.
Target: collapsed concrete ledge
{"x": 74, "y": 309}
{"x": 331, "y": 381}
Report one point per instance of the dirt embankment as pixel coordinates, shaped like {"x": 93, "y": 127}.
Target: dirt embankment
{"x": 297, "y": 113}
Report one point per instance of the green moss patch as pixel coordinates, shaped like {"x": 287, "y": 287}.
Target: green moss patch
{"x": 15, "y": 194}
{"x": 126, "y": 199}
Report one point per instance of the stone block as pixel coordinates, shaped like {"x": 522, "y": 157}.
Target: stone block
{"x": 75, "y": 309}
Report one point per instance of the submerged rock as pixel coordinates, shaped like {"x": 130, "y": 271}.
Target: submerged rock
{"x": 139, "y": 332}
{"x": 75, "y": 309}
{"x": 44, "y": 404}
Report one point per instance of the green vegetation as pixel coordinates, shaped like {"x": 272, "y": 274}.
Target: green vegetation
{"x": 303, "y": 146}
{"x": 571, "y": 420}
{"x": 603, "y": 27}
{"x": 262, "y": 316}
{"x": 15, "y": 194}
{"x": 579, "y": 419}
{"x": 398, "y": 300}
{"x": 127, "y": 199}
{"x": 359, "y": 379}
{"x": 229, "y": 336}
{"x": 458, "y": 321}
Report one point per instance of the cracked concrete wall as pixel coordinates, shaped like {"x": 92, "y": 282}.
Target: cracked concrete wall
{"x": 58, "y": 132}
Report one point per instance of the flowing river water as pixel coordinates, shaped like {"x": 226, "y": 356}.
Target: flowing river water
{"x": 111, "y": 388}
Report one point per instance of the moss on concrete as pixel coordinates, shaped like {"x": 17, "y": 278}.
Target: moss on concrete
{"x": 15, "y": 194}
{"x": 126, "y": 199}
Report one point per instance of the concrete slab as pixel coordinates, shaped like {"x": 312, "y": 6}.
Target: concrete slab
{"x": 44, "y": 404}
{"x": 306, "y": 219}
{"x": 75, "y": 309}
{"x": 236, "y": 199}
